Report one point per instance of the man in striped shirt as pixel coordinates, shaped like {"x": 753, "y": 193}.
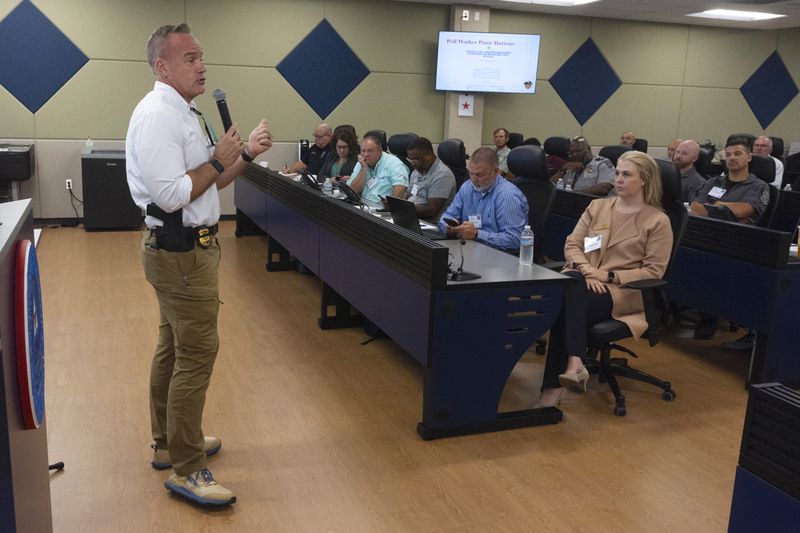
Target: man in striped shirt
{"x": 489, "y": 210}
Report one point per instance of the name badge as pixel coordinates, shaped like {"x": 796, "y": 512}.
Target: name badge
{"x": 590, "y": 244}
{"x": 717, "y": 192}
{"x": 372, "y": 182}
{"x": 476, "y": 221}
{"x": 414, "y": 189}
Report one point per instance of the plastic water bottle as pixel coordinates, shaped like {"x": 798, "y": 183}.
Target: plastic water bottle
{"x": 560, "y": 183}
{"x": 526, "y": 246}
{"x": 327, "y": 187}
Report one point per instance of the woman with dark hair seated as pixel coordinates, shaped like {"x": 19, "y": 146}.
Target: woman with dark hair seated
{"x": 617, "y": 240}
{"x": 339, "y": 164}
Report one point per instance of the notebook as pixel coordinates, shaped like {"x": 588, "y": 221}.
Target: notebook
{"x": 404, "y": 214}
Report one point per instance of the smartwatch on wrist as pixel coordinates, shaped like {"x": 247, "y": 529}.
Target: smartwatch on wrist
{"x": 217, "y": 165}
{"x": 246, "y": 157}
{"x": 611, "y": 277}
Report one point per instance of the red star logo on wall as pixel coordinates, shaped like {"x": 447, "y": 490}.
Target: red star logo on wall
{"x": 465, "y": 105}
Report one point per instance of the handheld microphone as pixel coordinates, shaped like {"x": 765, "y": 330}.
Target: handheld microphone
{"x": 222, "y": 105}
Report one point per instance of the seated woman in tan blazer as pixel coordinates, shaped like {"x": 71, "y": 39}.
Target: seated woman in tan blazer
{"x": 617, "y": 240}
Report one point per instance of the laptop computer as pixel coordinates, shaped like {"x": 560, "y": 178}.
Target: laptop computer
{"x": 404, "y": 214}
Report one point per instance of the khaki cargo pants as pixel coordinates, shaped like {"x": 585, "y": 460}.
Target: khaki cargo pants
{"x": 187, "y": 287}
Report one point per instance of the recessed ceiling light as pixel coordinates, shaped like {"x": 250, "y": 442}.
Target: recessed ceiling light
{"x": 563, "y": 3}
{"x": 731, "y": 14}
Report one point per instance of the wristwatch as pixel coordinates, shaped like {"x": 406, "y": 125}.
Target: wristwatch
{"x": 611, "y": 277}
{"x": 247, "y": 158}
{"x": 217, "y": 165}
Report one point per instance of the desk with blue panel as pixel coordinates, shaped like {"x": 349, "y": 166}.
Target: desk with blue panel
{"x": 766, "y": 492}
{"x": 744, "y": 274}
{"x": 468, "y": 335}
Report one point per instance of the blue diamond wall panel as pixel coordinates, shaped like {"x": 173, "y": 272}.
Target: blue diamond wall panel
{"x": 769, "y": 90}
{"x": 36, "y": 58}
{"x": 585, "y": 81}
{"x": 323, "y": 69}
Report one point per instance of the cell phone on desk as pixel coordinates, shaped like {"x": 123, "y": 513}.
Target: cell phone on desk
{"x": 451, "y": 222}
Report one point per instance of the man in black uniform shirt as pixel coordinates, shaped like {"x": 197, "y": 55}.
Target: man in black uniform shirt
{"x": 743, "y": 194}
{"x": 312, "y": 160}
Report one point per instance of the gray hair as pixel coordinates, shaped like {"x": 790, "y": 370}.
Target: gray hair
{"x": 485, "y": 155}
{"x": 156, "y": 42}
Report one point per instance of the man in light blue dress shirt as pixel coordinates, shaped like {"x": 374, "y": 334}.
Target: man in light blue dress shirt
{"x": 378, "y": 174}
{"x": 489, "y": 208}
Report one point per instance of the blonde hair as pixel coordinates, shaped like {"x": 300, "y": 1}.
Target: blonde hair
{"x": 650, "y": 174}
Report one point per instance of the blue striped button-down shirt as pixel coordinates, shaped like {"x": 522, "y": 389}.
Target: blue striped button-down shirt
{"x": 503, "y": 210}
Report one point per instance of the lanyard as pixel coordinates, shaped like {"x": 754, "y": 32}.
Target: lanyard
{"x": 212, "y": 139}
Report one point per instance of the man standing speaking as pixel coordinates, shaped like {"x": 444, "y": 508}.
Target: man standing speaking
{"x": 175, "y": 167}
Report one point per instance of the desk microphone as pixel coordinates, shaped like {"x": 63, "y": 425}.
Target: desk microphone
{"x": 222, "y": 105}
{"x": 459, "y": 274}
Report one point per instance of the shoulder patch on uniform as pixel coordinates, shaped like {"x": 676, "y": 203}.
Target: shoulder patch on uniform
{"x": 764, "y": 196}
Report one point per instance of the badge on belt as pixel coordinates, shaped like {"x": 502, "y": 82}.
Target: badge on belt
{"x": 204, "y": 237}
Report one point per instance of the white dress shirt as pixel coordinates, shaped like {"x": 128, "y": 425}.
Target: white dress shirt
{"x": 778, "y": 173}
{"x": 164, "y": 142}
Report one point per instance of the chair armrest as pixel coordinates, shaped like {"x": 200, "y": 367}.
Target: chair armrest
{"x": 654, "y": 313}
{"x": 644, "y": 284}
{"x": 554, "y": 265}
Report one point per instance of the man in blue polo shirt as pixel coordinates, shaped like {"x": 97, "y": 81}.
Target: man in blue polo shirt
{"x": 378, "y": 174}
{"x": 490, "y": 210}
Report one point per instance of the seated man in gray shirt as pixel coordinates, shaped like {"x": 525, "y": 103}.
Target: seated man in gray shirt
{"x": 684, "y": 158}
{"x": 433, "y": 184}
{"x": 584, "y": 173}
{"x": 741, "y": 192}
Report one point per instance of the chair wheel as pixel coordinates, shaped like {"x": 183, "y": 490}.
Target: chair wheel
{"x": 620, "y": 410}
{"x": 668, "y": 395}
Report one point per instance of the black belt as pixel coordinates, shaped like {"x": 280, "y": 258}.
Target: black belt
{"x": 184, "y": 239}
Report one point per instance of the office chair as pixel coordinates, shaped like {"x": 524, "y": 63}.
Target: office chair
{"x": 602, "y": 337}
{"x": 398, "y": 145}
{"x": 791, "y": 172}
{"x": 763, "y": 167}
{"x": 557, "y": 146}
{"x": 381, "y": 134}
{"x": 454, "y": 155}
{"x": 557, "y": 150}
{"x": 612, "y": 153}
{"x": 640, "y": 145}
{"x": 531, "y": 141}
{"x": 514, "y": 140}
{"x": 529, "y": 166}
{"x": 777, "y": 148}
{"x": 703, "y": 163}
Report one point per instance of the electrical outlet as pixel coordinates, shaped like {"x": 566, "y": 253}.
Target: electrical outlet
{"x": 68, "y": 183}
{"x": 465, "y": 15}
